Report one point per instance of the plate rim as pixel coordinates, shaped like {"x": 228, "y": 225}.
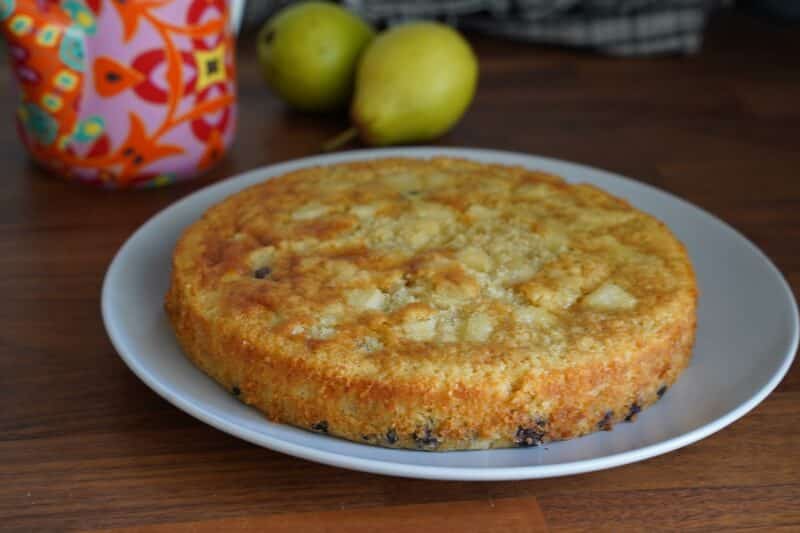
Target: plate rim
{"x": 453, "y": 473}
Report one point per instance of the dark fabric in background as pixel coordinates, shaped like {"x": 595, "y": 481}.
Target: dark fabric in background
{"x": 613, "y": 27}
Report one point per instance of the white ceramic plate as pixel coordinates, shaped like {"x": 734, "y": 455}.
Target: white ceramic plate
{"x": 746, "y": 339}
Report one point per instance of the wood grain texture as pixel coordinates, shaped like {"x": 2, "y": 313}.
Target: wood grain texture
{"x": 85, "y": 445}
{"x": 510, "y": 516}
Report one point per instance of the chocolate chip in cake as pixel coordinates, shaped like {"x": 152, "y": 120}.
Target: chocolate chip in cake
{"x": 391, "y": 436}
{"x": 236, "y": 391}
{"x": 660, "y": 392}
{"x": 262, "y": 272}
{"x": 607, "y": 422}
{"x": 527, "y": 437}
{"x": 426, "y": 439}
{"x": 635, "y": 409}
{"x": 321, "y": 426}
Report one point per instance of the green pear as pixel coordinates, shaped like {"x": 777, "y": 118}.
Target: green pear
{"x": 309, "y": 53}
{"x": 413, "y": 83}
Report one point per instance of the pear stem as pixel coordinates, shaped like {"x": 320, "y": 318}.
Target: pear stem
{"x": 341, "y": 139}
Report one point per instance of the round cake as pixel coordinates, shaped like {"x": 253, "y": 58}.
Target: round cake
{"x": 438, "y": 304}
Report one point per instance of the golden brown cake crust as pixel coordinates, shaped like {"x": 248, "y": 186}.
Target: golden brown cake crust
{"x": 434, "y": 304}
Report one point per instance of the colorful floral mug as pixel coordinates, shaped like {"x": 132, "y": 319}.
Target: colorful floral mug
{"x": 124, "y": 93}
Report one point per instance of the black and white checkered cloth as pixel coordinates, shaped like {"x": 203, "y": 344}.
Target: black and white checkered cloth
{"x": 615, "y": 27}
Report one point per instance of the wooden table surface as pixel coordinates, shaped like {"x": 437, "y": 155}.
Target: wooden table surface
{"x": 85, "y": 445}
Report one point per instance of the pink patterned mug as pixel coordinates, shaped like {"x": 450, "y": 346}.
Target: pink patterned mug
{"x": 123, "y": 93}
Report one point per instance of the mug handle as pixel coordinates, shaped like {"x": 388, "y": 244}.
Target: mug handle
{"x": 236, "y": 12}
